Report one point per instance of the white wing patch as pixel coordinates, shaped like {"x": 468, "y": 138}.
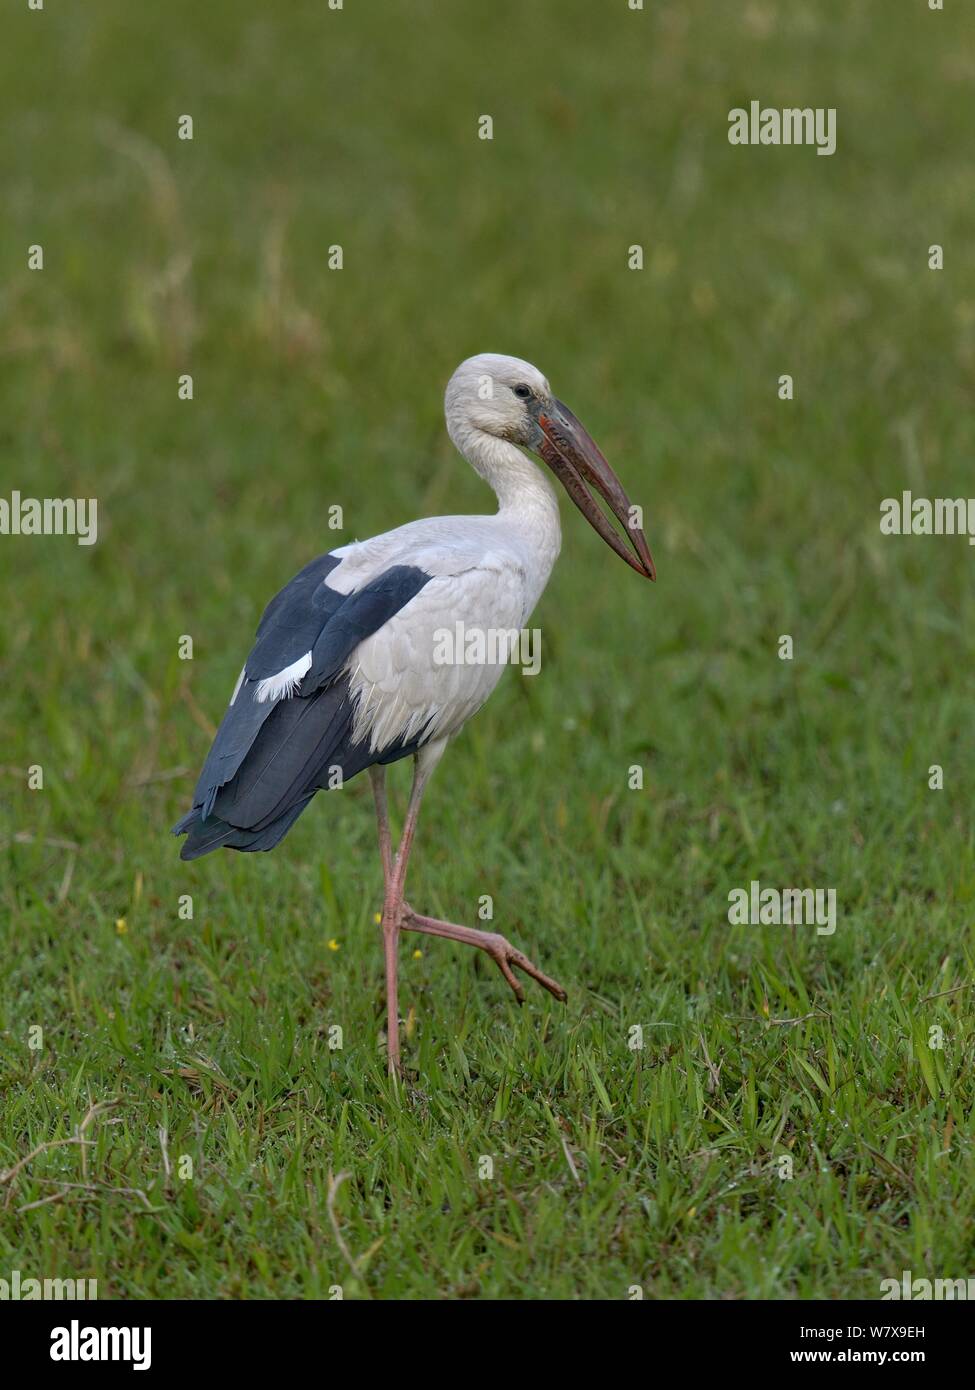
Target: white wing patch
{"x": 284, "y": 684}
{"x": 240, "y": 682}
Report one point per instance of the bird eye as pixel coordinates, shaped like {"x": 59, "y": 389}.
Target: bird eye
{"x": 524, "y": 392}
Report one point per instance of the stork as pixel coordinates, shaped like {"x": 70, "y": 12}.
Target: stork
{"x": 344, "y": 676}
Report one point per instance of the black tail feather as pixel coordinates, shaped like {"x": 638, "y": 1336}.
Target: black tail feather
{"x": 203, "y": 836}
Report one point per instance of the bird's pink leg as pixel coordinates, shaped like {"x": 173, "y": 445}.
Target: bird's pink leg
{"x": 395, "y": 875}
{"x": 399, "y": 916}
{"x": 377, "y": 776}
{"x": 497, "y": 947}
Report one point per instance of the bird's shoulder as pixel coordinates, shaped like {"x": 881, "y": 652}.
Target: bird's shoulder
{"x": 442, "y": 546}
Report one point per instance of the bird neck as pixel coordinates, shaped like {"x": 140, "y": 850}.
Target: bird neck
{"x": 527, "y": 505}
{"x": 522, "y": 489}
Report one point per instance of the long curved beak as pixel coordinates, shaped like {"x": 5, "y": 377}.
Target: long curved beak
{"x": 575, "y": 460}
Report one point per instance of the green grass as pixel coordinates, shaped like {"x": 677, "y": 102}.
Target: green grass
{"x": 612, "y": 1167}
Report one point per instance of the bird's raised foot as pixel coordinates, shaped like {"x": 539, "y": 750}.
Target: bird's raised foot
{"x": 496, "y": 946}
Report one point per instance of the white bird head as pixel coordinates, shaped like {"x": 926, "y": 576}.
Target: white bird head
{"x": 507, "y": 398}
{"x": 493, "y": 393}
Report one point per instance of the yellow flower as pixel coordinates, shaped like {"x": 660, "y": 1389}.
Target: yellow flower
{"x": 377, "y": 917}
{"x": 333, "y": 945}
{"x": 121, "y": 925}
{"x": 417, "y": 954}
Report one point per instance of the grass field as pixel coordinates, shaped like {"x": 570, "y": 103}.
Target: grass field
{"x": 208, "y": 1039}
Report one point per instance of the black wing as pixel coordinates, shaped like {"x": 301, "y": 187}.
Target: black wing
{"x": 270, "y": 757}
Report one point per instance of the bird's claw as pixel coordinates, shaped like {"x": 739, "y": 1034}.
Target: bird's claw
{"x": 493, "y": 944}
{"x": 505, "y": 956}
